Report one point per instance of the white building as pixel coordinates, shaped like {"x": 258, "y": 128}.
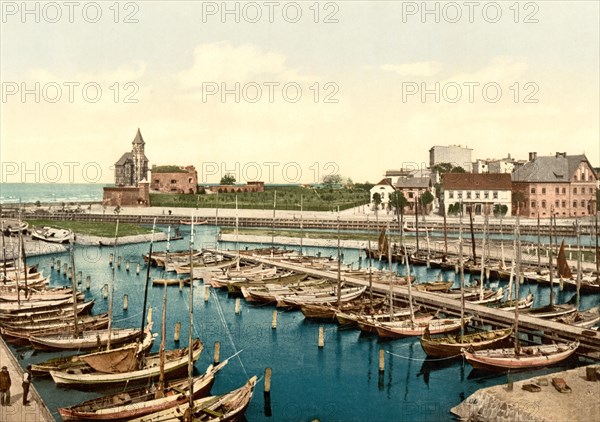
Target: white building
{"x": 384, "y": 188}
{"x": 456, "y": 155}
{"x": 483, "y": 192}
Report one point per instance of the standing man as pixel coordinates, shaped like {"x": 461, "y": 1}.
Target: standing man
{"x": 26, "y": 382}
{"x": 5, "y": 387}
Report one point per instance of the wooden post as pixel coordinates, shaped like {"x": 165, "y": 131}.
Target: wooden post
{"x": 207, "y": 293}
{"x": 177, "y": 331}
{"x": 65, "y": 268}
{"x": 79, "y": 277}
{"x": 237, "y": 306}
{"x": 180, "y": 284}
{"x": 149, "y": 317}
{"x": 110, "y": 259}
{"x": 125, "y": 302}
{"x": 52, "y": 263}
{"x": 381, "y": 360}
{"x": 127, "y": 265}
{"x": 105, "y": 291}
{"x": 88, "y": 282}
{"x": 137, "y": 268}
{"x": 267, "y": 392}
{"x": 321, "y": 337}
{"x": 69, "y": 273}
{"x": 268, "y": 372}
{"x": 274, "y": 320}
{"x": 58, "y": 265}
{"x": 119, "y": 261}
{"x": 217, "y": 353}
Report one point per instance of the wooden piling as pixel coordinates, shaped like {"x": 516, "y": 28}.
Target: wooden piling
{"x": 137, "y": 268}
{"x": 52, "y": 263}
{"x": 207, "y": 293}
{"x": 125, "y": 302}
{"x": 321, "y": 337}
{"x": 177, "y": 332}
{"x": 69, "y": 273}
{"x": 267, "y": 393}
{"x": 65, "y": 268}
{"x": 105, "y": 291}
{"x": 268, "y": 373}
{"x": 237, "y": 306}
{"x": 149, "y": 317}
{"x": 274, "y": 320}
{"x": 58, "y": 265}
{"x": 127, "y": 265}
{"x": 119, "y": 261}
{"x": 88, "y": 282}
{"x": 110, "y": 259}
{"x": 180, "y": 285}
{"x": 79, "y": 277}
{"x": 217, "y": 352}
{"x": 381, "y": 360}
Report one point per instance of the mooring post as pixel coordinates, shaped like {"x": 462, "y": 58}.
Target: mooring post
{"x": 237, "y": 306}
{"x": 177, "y": 331}
{"x": 381, "y": 360}
{"x": 274, "y": 320}
{"x": 127, "y": 265}
{"x": 217, "y": 352}
{"x": 125, "y": 302}
{"x": 321, "y": 337}
{"x": 119, "y": 261}
{"x": 105, "y": 291}
{"x": 267, "y": 392}
{"x": 207, "y": 294}
{"x": 137, "y": 268}
{"x": 88, "y": 282}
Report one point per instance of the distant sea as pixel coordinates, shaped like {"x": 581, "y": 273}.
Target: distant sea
{"x": 13, "y": 193}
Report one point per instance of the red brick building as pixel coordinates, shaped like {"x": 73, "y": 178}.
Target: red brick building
{"x": 174, "y": 179}
{"x": 249, "y": 187}
{"x": 127, "y": 196}
{"x": 561, "y": 185}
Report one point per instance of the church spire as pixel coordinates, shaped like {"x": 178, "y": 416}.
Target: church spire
{"x": 138, "y": 140}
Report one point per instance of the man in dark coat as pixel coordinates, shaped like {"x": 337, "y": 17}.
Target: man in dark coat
{"x": 4, "y": 387}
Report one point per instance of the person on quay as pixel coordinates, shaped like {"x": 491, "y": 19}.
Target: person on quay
{"x": 25, "y": 385}
{"x": 5, "y": 386}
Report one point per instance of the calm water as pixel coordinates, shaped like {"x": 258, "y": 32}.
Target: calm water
{"x": 29, "y": 193}
{"x": 337, "y": 383}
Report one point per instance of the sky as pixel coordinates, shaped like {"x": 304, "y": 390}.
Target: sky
{"x": 288, "y": 92}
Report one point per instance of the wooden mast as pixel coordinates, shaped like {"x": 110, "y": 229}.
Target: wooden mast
{"x": 483, "y": 245}
{"x": 273, "y": 225}
{"x": 517, "y": 283}
{"x": 141, "y": 338}
{"x": 302, "y": 226}
{"x": 539, "y": 259}
{"x": 550, "y": 265}
{"x": 410, "y": 302}
{"x": 160, "y": 391}
{"x": 74, "y": 287}
{"x": 369, "y": 258}
{"x": 112, "y": 289}
{"x": 190, "y": 338}
{"x": 470, "y": 208}
{"x": 462, "y": 278}
{"x": 339, "y": 267}
{"x": 578, "y": 264}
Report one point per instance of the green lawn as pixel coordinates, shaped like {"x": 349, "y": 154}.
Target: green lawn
{"x": 288, "y": 198}
{"x": 321, "y": 234}
{"x": 93, "y": 228}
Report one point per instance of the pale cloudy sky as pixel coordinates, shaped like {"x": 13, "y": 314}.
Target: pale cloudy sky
{"x": 354, "y": 74}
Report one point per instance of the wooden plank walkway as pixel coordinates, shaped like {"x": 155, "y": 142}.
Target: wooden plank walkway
{"x": 590, "y": 339}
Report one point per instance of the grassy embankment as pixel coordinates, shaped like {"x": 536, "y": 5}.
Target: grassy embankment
{"x": 93, "y": 228}
{"x": 288, "y": 198}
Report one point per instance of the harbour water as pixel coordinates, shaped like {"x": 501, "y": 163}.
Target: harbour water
{"x": 339, "y": 382}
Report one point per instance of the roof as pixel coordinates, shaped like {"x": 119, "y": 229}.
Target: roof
{"x": 385, "y": 181}
{"x": 413, "y": 182}
{"x": 138, "y": 138}
{"x": 484, "y": 181}
{"x": 549, "y": 169}
{"x": 128, "y": 156}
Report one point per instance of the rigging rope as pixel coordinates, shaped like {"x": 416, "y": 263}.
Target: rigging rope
{"x": 222, "y": 318}
{"x": 422, "y": 360}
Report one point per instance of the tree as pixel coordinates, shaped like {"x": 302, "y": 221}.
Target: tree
{"x": 117, "y": 209}
{"x": 363, "y": 186}
{"x": 377, "y": 200}
{"x": 518, "y": 198}
{"x": 500, "y": 210}
{"x": 427, "y": 198}
{"x": 332, "y": 179}
{"x": 228, "y": 179}
{"x": 398, "y": 201}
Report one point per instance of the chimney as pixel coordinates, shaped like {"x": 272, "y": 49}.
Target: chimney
{"x": 532, "y": 156}
{"x": 561, "y": 154}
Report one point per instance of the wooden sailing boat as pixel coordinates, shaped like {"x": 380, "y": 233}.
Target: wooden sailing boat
{"x": 519, "y": 357}
{"x": 451, "y": 346}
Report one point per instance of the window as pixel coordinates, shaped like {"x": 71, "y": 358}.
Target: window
{"x": 557, "y": 204}
{"x": 495, "y": 195}
{"x": 591, "y": 190}
{"x": 189, "y": 180}
{"x": 564, "y": 191}
{"x": 543, "y": 204}
{"x": 486, "y": 194}
{"x": 173, "y": 181}
{"x": 556, "y": 191}
{"x": 459, "y": 195}
{"x": 469, "y": 195}
{"x": 564, "y": 204}
{"x": 582, "y": 204}
{"x": 156, "y": 181}
{"x": 574, "y": 204}
{"x": 533, "y": 190}
{"x": 532, "y": 204}
{"x": 477, "y": 195}
{"x": 590, "y": 178}
{"x": 543, "y": 191}
{"x": 411, "y": 195}
{"x": 451, "y": 194}
{"x": 574, "y": 191}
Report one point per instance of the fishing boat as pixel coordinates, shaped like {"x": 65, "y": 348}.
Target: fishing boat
{"x": 318, "y": 296}
{"x": 174, "y": 360}
{"x": 141, "y": 401}
{"x": 329, "y": 311}
{"x": 527, "y": 357}
{"x": 583, "y": 319}
{"x": 22, "y": 334}
{"x": 170, "y": 281}
{"x": 434, "y": 286}
{"x": 228, "y": 407}
{"x": 52, "y": 235}
{"x": 288, "y": 277}
{"x": 195, "y": 222}
{"x": 451, "y": 346}
{"x": 84, "y": 340}
{"x": 417, "y": 327}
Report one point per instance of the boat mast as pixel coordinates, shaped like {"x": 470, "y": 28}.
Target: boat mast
{"x": 74, "y": 287}
{"x": 517, "y": 282}
{"x": 539, "y": 259}
{"x": 410, "y": 302}
{"x": 160, "y": 391}
{"x": 389, "y": 252}
{"x": 550, "y": 266}
{"x": 190, "y": 338}
{"x": 417, "y": 221}
{"x": 502, "y": 264}
{"x": 470, "y": 208}
{"x": 112, "y": 288}
{"x": 147, "y": 282}
{"x": 578, "y": 263}
{"x": 237, "y": 235}
{"x": 339, "y": 266}
{"x": 462, "y": 278}
{"x": 273, "y": 225}
{"x": 445, "y": 236}
{"x": 369, "y": 258}
{"x": 25, "y": 271}
{"x": 597, "y": 250}
{"x": 217, "y": 220}
{"x": 3, "y": 250}
{"x": 483, "y": 246}
{"x": 301, "y": 226}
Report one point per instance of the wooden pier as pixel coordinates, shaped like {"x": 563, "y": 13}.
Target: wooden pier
{"x": 544, "y": 330}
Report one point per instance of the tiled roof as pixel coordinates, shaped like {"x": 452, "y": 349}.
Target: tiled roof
{"x": 385, "y": 181}
{"x": 128, "y": 156}
{"x": 549, "y": 169}
{"x": 483, "y": 181}
{"x": 413, "y": 182}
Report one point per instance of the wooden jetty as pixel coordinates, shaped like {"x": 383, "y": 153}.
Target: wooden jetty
{"x": 544, "y": 330}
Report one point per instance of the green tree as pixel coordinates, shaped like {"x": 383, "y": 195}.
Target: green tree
{"x": 332, "y": 179}
{"x": 228, "y": 179}
{"x": 518, "y": 198}
{"x": 500, "y": 210}
{"x": 377, "y": 200}
{"x": 398, "y": 201}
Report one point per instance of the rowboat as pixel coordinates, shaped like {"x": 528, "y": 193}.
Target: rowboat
{"x": 345, "y": 295}
{"x": 583, "y": 319}
{"x": 228, "y": 407}
{"x": 451, "y": 346}
{"x": 399, "y": 329}
{"x": 85, "y": 340}
{"x": 174, "y": 361}
{"x": 60, "y": 312}
{"x": 528, "y": 357}
{"x": 52, "y": 235}
{"x": 141, "y": 401}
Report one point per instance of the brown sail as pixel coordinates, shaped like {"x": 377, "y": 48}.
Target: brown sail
{"x": 561, "y": 263}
